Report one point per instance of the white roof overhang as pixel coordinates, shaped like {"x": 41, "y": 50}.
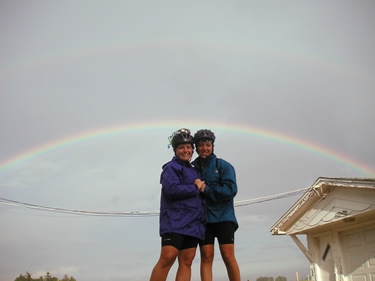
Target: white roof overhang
{"x": 326, "y": 202}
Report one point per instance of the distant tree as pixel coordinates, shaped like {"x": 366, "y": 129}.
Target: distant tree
{"x": 47, "y": 277}
{"x": 264, "y": 279}
{"x": 66, "y": 278}
{"x": 21, "y": 278}
{"x": 26, "y": 277}
{"x": 281, "y": 278}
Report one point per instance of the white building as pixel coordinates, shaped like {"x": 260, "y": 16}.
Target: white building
{"x": 337, "y": 217}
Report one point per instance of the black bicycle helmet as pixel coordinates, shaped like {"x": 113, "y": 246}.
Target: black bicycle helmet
{"x": 181, "y": 136}
{"x": 204, "y": 135}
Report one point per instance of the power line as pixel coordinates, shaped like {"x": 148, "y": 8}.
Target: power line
{"x": 139, "y": 213}
{"x": 77, "y": 212}
{"x": 269, "y": 198}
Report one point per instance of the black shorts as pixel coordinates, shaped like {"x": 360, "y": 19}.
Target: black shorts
{"x": 224, "y": 231}
{"x": 179, "y": 241}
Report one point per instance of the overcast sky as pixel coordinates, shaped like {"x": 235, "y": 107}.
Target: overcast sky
{"x": 91, "y": 90}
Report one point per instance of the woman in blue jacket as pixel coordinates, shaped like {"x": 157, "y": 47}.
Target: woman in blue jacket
{"x": 182, "y": 210}
{"x": 219, "y": 189}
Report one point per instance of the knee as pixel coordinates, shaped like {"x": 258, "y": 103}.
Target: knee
{"x": 186, "y": 257}
{"x": 229, "y": 258}
{"x": 186, "y": 262}
{"x": 167, "y": 260}
{"x": 207, "y": 257}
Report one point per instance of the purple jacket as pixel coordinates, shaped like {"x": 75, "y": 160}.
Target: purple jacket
{"x": 182, "y": 208}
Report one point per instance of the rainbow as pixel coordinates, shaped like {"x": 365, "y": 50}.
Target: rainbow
{"x": 237, "y": 129}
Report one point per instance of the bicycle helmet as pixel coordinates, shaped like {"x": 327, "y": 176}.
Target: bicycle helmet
{"x": 181, "y": 136}
{"x": 204, "y": 135}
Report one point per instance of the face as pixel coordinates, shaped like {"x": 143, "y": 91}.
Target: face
{"x": 204, "y": 149}
{"x": 184, "y": 151}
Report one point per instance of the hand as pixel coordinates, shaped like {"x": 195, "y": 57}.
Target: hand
{"x": 200, "y": 184}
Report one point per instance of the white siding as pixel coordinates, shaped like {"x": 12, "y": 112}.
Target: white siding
{"x": 358, "y": 246}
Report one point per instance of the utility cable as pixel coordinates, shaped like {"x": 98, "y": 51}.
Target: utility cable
{"x": 139, "y": 213}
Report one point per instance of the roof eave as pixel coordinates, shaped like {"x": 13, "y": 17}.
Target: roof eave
{"x": 317, "y": 191}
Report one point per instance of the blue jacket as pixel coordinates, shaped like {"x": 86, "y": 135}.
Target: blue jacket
{"x": 182, "y": 207}
{"x": 221, "y": 187}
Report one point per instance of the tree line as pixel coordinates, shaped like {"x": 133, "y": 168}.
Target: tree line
{"x": 279, "y": 278}
{"x": 47, "y": 277}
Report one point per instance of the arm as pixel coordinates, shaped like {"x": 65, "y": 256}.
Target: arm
{"x": 173, "y": 185}
{"x": 224, "y": 187}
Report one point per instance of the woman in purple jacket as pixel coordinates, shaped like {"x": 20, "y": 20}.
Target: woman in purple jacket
{"x": 182, "y": 210}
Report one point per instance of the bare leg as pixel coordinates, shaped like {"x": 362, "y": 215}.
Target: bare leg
{"x": 227, "y": 253}
{"x": 207, "y": 258}
{"x": 167, "y": 258}
{"x": 185, "y": 259}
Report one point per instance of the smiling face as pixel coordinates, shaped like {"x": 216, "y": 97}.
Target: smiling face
{"x": 204, "y": 149}
{"x": 184, "y": 151}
